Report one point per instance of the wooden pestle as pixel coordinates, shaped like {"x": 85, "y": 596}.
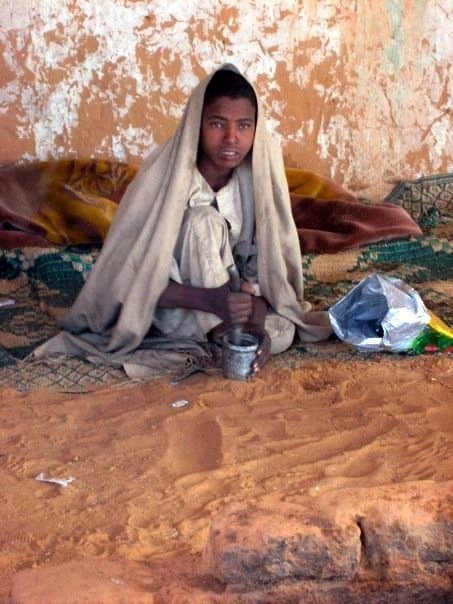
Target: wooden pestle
{"x": 235, "y": 286}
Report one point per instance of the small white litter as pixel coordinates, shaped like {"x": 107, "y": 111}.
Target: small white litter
{"x": 181, "y": 403}
{"x": 62, "y": 482}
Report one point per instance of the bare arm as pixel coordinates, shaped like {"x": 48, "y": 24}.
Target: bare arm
{"x": 228, "y": 306}
{"x": 233, "y": 308}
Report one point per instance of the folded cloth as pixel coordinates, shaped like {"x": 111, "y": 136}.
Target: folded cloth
{"x": 60, "y": 202}
{"x": 331, "y": 226}
{"x": 330, "y": 219}
{"x": 306, "y": 183}
{"x": 64, "y": 202}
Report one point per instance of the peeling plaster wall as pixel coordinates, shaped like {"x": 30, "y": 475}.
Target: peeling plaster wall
{"x": 356, "y": 89}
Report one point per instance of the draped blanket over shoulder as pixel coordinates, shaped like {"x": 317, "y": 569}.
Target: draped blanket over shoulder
{"x": 113, "y": 313}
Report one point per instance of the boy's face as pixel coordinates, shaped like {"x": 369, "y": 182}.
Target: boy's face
{"x": 226, "y": 135}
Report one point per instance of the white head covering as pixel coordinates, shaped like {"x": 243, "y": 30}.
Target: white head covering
{"x": 115, "y": 308}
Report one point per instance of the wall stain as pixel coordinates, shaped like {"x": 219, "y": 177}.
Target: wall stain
{"x": 395, "y": 49}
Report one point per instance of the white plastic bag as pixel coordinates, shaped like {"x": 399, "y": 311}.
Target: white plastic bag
{"x": 380, "y": 313}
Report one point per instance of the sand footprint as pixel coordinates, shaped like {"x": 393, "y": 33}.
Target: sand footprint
{"x": 25, "y": 541}
{"x": 17, "y": 466}
{"x": 194, "y": 443}
{"x": 96, "y": 544}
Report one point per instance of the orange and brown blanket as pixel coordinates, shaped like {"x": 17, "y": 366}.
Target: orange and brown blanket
{"x": 64, "y": 202}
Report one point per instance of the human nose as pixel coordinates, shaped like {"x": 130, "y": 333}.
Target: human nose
{"x": 230, "y": 133}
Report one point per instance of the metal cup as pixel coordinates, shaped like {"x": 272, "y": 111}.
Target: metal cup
{"x": 238, "y": 358}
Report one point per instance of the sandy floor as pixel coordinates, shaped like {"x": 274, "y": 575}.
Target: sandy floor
{"x": 148, "y": 477}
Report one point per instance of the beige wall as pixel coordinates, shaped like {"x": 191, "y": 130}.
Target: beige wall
{"x": 356, "y": 89}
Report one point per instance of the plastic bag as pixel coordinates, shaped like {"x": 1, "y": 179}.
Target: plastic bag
{"x": 383, "y": 313}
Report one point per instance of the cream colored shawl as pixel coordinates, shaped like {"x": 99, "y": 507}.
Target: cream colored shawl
{"x": 114, "y": 310}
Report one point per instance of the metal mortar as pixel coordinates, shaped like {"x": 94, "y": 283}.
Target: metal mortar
{"x": 238, "y": 358}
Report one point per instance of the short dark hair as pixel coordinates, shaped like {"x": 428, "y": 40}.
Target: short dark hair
{"x": 230, "y": 84}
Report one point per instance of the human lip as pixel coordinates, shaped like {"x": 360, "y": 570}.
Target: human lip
{"x": 229, "y": 154}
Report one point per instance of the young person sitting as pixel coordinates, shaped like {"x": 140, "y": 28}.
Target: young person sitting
{"x": 213, "y": 196}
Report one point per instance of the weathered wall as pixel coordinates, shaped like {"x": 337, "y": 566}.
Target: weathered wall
{"x": 356, "y": 89}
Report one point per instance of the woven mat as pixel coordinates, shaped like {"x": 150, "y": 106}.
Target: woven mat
{"x": 429, "y": 200}
{"x": 44, "y": 282}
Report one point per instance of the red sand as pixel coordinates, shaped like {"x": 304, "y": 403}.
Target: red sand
{"x": 149, "y": 477}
